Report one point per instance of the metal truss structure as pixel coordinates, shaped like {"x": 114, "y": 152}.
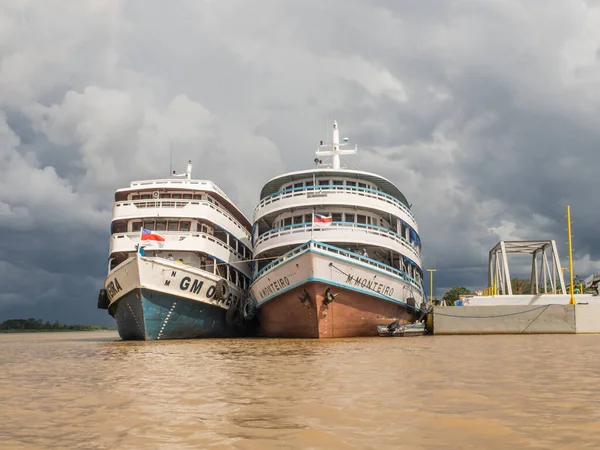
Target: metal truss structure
{"x": 544, "y": 273}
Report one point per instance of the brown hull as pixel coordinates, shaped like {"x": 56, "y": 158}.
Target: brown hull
{"x": 350, "y": 314}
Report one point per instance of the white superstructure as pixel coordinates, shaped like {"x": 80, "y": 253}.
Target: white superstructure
{"x": 361, "y": 214}
{"x": 201, "y": 226}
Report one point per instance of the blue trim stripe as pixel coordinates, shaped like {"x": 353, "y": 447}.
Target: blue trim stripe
{"x": 393, "y": 272}
{"x": 343, "y": 286}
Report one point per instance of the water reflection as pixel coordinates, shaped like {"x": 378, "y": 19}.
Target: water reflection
{"x": 91, "y": 390}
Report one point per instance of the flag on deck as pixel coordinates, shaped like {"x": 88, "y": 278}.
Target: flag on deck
{"x": 322, "y": 220}
{"x": 151, "y": 238}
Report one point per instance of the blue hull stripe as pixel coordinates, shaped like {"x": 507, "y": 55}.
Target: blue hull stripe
{"x": 343, "y": 286}
{"x": 328, "y": 255}
{"x": 144, "y": 314}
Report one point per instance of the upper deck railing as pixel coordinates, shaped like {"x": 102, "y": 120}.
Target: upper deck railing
{"x": 307, "y": 227}
{"x": 349, "y": 254}
{"x": 196, "y": 184}
{"x": 177, "y": 236}
{"x": 170, "y": 203}
{"x": 299, "y": 191}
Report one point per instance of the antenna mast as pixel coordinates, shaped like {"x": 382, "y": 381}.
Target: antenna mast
{"x": 334, "y": 149}
{"x": 170, "y": 159}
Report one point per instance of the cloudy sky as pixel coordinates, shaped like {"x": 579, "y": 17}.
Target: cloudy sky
{"x": 485, "y": 113}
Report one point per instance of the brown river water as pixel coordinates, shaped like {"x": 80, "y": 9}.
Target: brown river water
{"x": 90, "y": 390}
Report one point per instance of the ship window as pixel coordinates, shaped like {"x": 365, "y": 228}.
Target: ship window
{"x": 361, "y": 219}
{"x": 323, "y": 182}
{"x": 308, "y": 183}
{"x": 350, "y": 183}
{"x": 164, "y": 195}
{"x": 173, "y": 226}
{"x": 209, "y": 198}
{"x": 176, "y": 196}
{"x": 298, "y": 185}
{"x": 119, "y": 227}
{"x": 136, "y": 226}
{"x": 362, "y": 185}
{"x": 287, "y": 221}
{"x": 135, "y": 197}
{"x": 187, "y": 196}
{"x": 185, "y": 226}
{"x": 307, "y": 218}
{"x": 145, "y": 196}
{"x": 297, "y": 219}
{"x": 232, "y": 275}
{"x": 338, "y": 182}
{"x": 149, "y": 224}
{"x": 336, "y": 217}
{"x": 197, "y": 197}
{"x": 161, "y": 226}
{"x": 350, "y": 218}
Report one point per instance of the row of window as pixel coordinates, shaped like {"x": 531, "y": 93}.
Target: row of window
{"x": 230, "y": 273}
{"x": 187, "y": 225}
{"x": 183, "y": 196}
{"x": 321, "y": 182}
{"x": 165, "y": 225}
{"x": 405, "y": 230}
{"x": 335, "y": 217}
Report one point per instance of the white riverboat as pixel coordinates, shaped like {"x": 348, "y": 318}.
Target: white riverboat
{"x": 337, "y": 252}
{"x": 191, "y": 277}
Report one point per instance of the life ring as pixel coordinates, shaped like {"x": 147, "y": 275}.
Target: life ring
{"x": 103, "y": 299}
{"x": 249, "y": 308}
{"x": 233, "y": 316}
{"x": 221, "y": 290}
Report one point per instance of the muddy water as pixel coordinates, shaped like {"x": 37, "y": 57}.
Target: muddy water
{"x": 90, "y": 390}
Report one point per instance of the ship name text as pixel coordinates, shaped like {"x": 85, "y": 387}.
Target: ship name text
{"x": 274, "y": 287}
{"x": 195, "y": 287}
{"x": 113, "y": 288}
{"x": 371, "y": 285}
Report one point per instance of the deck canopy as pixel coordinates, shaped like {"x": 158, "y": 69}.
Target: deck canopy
{"x": 386, "y": 186}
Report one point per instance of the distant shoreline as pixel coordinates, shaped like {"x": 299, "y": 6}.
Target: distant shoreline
{"x": 52, "y": 331}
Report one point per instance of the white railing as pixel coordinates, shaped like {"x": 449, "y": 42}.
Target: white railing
{"x": 173, "y": 181}
{"x": 316, "y": 190}
{"x": 177, "y": 204}
{"x": 348, "y": 254}
{"x": 336, "y": 227}
{"x": 179, "y": 236}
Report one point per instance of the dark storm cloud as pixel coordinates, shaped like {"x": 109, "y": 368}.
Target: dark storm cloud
{"x": 484, "y": 114}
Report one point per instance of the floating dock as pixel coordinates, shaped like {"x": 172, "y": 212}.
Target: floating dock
{"x": 549, "y": 309}
{"x": 541, "y": 318}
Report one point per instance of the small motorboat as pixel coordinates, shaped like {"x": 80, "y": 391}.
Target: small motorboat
{"x": 394, "y": 329}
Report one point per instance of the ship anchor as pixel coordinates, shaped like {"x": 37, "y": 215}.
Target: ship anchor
{"x": 329, "y": 297}
{"x": 305, "y": 298}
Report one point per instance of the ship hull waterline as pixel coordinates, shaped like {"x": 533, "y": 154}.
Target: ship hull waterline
{"x": 350, "y": 314}
{"x": 147, "y": 315}
{"x": 153, "y": 299}
{"x": 317, "y": 294}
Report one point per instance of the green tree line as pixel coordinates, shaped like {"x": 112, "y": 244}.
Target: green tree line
{"x": 519, "y": 286}
{"x": 39, "y": 324}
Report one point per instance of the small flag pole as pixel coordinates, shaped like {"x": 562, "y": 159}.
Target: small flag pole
{"x": 139, "y": 250}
